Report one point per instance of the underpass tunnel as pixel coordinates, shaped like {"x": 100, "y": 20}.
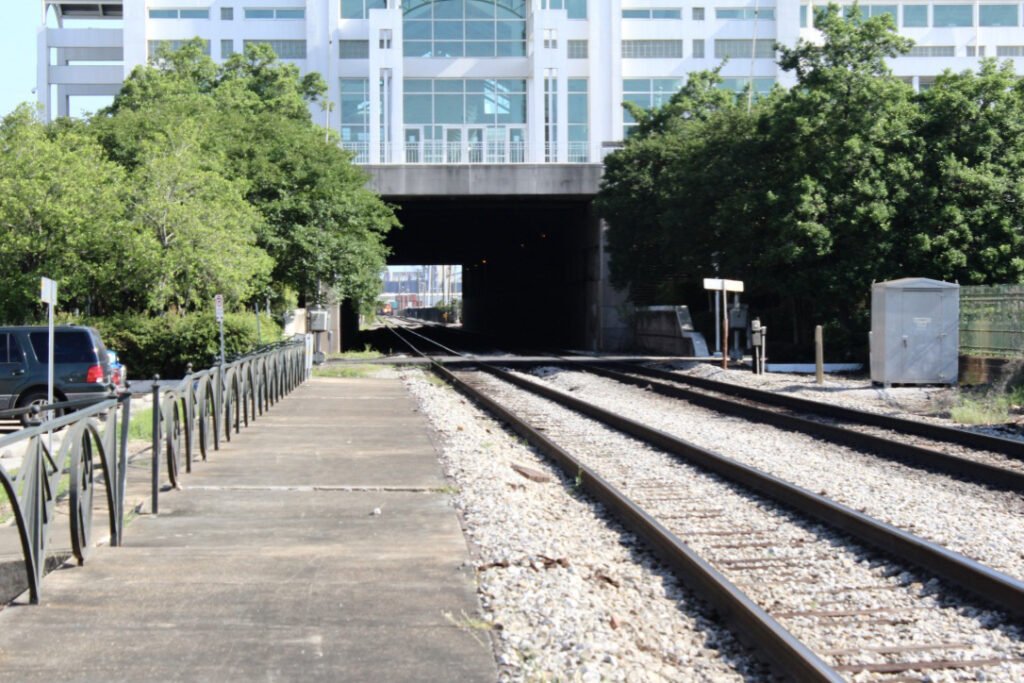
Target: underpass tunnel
{"x": 530, "y": 265}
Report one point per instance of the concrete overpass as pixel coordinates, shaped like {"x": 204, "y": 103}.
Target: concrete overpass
{"x": 527, "y": 237}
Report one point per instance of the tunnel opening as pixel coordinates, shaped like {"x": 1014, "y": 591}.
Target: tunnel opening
{"x": 529, "y": 264}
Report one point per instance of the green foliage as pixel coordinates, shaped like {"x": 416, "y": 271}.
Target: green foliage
{"x": 199, "y": 179}
{"x": 316, "y": 221}
{"x": 165, "y": 345}
{"x": 847, "y": 178}
{"x": 61, "y": 216}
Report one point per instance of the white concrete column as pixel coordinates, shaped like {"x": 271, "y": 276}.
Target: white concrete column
{"x": 535, "y": 84}
{"x": 605, "y": 64}
{"x": 43, "y": 71}
{"x": 385, "y": 61}
{"x": 136, "y": 35}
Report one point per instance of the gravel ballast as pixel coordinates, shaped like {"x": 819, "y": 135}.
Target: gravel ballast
{"x": 971, "y": 519}
{"x": 566, "y": 593}
{"x": 787, "y": 566}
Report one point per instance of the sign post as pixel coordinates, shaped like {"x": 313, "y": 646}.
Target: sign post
{"x": 48, "y": 295}
{"x": 722, "y": 285}
{"x": 218, "y": 303}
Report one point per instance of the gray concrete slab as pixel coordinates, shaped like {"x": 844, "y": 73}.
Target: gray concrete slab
{"x": 252, "y": 572}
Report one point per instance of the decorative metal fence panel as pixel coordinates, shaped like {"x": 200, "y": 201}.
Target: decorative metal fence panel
{"x": 992, "y": 320}
{"x": 89, "y": 450}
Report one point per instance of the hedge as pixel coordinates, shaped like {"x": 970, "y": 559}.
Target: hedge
{"x": 165, "y": 345}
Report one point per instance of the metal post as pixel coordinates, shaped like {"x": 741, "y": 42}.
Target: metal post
{"x": 725, "y": 328}
{"x": 718, "y": 331}
{"x": 122, "y": 465}
{"x": 156, "y": 444}
{"x": 764, "y": 347}
{"x": 819, "y": 356}
{"x": 259, "y": 334}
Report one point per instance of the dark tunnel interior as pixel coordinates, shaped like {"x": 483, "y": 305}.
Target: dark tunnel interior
{"x": 529, "y": 264}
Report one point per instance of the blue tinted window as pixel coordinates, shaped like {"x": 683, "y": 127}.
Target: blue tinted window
{"x": 953, "y": 15}
{"x": 915, "y": 15}
{"x": 998, "y": 15}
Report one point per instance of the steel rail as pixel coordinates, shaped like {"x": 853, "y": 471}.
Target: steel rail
{"x": 1010, "y": 447}
{"x": 749, "y": 621}
{"x": 1003, "y": 591}
{"x": 916, "y": 456}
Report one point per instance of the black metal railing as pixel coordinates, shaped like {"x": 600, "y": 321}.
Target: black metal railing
{"x": 206, "y": 406}
{"x": 83, "y": 437}
{"x": 188, "y": 417}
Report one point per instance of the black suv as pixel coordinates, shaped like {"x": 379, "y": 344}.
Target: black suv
{"x": 81, "y": 366}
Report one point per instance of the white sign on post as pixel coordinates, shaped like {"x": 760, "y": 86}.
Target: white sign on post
{"x": 48, "y": 291}
{"x": 720, "y": 285}
{"x": 218, "y": 304}
{"x": 723, "y": 286}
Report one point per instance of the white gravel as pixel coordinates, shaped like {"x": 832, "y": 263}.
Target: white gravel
{"x": 785, "y": 565}
{"x": 567, "y": 593}
{"x": 983, "y": 524}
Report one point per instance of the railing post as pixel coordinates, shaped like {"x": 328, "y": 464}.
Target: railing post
{"x": 156, "y": 445}
{"x": 121, "y": 458}
{"x": 188, "y": 417}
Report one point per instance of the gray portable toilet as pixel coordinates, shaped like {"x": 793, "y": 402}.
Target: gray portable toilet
{"x": 915, "y": 331}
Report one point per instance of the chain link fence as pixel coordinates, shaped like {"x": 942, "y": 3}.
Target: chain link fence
{"x": 992, "y": 320}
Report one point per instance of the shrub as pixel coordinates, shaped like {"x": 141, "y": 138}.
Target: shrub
{"x": 166, "y": 344}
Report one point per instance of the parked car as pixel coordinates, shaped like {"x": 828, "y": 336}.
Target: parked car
{"x": 81, "y": 366}
{"x": 119, "y": 373}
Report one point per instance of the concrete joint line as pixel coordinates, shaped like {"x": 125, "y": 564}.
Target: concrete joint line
{"x": 305, "y": 489}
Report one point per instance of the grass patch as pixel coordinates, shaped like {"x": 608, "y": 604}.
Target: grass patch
{"x": 434, "y": 379}
{"x": 140, "y": 426}
{"x": 366, "y": 354}
{"x": 347, "y": 371}
{"x": 991, "y": 408}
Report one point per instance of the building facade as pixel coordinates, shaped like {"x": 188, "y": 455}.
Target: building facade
{"x": 492, "y": 81}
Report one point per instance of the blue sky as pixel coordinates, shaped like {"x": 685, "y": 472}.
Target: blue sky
{"x": 18, "y": 55}
{"x": 18, "y": 52}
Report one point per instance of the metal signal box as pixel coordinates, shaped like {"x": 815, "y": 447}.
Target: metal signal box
{"x": 318, "y": 321}
{"x": 915, "y": 331}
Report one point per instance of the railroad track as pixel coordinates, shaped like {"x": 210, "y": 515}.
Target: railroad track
{"x": 758, "y": 548}
{"x": 992, "y": 461}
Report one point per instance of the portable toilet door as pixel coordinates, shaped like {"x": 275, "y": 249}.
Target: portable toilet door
{"x": 930, "y": 332}
{"x": 922, "y": 335}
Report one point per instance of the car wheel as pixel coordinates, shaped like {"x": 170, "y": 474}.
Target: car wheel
{"x": 34, "y": 398}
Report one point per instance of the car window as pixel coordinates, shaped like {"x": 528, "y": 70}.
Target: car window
{"x": 10, "y": 352}
{"x": 69, "y": 347}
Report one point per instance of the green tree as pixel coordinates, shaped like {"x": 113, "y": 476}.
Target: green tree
{"x": 201, "y": 230}
{"x": 801, "y": 197}
{"x": 963, "y": 220}
{"x": 322, "y": 229}
{"x": 842, "y": 151}
{"x": 62, "y": 209}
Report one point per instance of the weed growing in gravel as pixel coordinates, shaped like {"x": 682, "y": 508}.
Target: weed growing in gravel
{"x": 990, "y": 408}
{"x": 435, "y": 380}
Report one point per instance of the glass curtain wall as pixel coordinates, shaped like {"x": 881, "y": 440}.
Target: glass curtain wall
{"x": 579, "y": 133}
{"x": 648, "y": 93}
{"x": 456, "y": 120}
{"x": 355, "y": 117}
{"x": 464, "y": 28}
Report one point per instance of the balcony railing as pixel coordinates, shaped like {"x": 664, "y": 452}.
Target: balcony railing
{"x": 476, "y": 152}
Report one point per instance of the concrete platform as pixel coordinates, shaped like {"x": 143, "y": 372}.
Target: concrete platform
{"x": 271, "y": 565}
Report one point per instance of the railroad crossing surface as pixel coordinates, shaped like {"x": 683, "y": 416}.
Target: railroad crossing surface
{"x": 317, "y": 544}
